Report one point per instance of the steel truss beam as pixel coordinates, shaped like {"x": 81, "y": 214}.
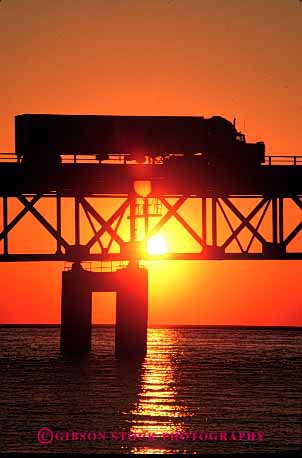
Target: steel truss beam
{"x": 220, "y": 235}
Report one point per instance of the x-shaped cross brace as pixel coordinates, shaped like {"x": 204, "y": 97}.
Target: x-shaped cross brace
{"x": 173, "y": 211}
{"x": 29, "y": 207}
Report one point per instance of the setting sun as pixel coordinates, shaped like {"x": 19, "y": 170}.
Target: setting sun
{"x": 157, "y": 245}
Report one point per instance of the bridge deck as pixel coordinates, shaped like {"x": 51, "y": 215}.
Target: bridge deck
{"x": 185, "y": 178}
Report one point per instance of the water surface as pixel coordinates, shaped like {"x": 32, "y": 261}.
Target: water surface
{"x": 193, "y": 379}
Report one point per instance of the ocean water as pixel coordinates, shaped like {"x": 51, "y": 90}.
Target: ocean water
{"x": 194, "y": 381}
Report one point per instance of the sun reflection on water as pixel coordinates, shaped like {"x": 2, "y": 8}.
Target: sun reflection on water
{"x": 158, "y": 410}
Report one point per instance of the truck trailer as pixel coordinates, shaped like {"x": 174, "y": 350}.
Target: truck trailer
{"x": 41, "y": 139}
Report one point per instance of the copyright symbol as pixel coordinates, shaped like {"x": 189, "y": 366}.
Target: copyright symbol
{"x": 45, "y": 436}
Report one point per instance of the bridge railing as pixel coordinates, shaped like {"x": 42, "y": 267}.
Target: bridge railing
{"x": 70, "y": 159}
{"x": 83, "y": 159}
{"x": 122, "y": 159}
{"x": 98, "y": 266}
{"x": 283, "y": 160}
{"x": 8, "y": 157}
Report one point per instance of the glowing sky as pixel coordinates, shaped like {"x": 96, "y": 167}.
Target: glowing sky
{"x": 194, "y": 57}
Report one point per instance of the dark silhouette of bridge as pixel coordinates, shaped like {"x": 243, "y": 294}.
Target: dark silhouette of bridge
{"x": 218, "y": 190}
{"x": 153, "y": 193}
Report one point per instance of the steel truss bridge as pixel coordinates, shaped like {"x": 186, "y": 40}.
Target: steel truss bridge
{"x": 240, "y": 214}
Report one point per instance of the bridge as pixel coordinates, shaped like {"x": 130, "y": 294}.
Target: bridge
{"x": 148, "y": 196}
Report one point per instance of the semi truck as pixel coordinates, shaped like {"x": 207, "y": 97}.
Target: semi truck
{"x": 41, "y": 139}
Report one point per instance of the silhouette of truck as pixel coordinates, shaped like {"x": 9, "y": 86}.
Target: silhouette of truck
{"x": 41, "y": 139}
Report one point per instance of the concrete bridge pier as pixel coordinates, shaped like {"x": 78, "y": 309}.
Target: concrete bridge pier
{"x": 131, "y": 286}
{"x": 131, "y": 314}
{"x": 75, "y": 312}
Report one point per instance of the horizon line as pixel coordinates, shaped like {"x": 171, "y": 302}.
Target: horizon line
{"x": 55, "y": 325}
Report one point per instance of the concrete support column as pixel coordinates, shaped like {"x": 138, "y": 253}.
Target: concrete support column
{"x": 131, "y": 313}
{"x": 75, "y": 312}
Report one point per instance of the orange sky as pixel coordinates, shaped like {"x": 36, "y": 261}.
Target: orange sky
{"x": 194, "y": 57}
